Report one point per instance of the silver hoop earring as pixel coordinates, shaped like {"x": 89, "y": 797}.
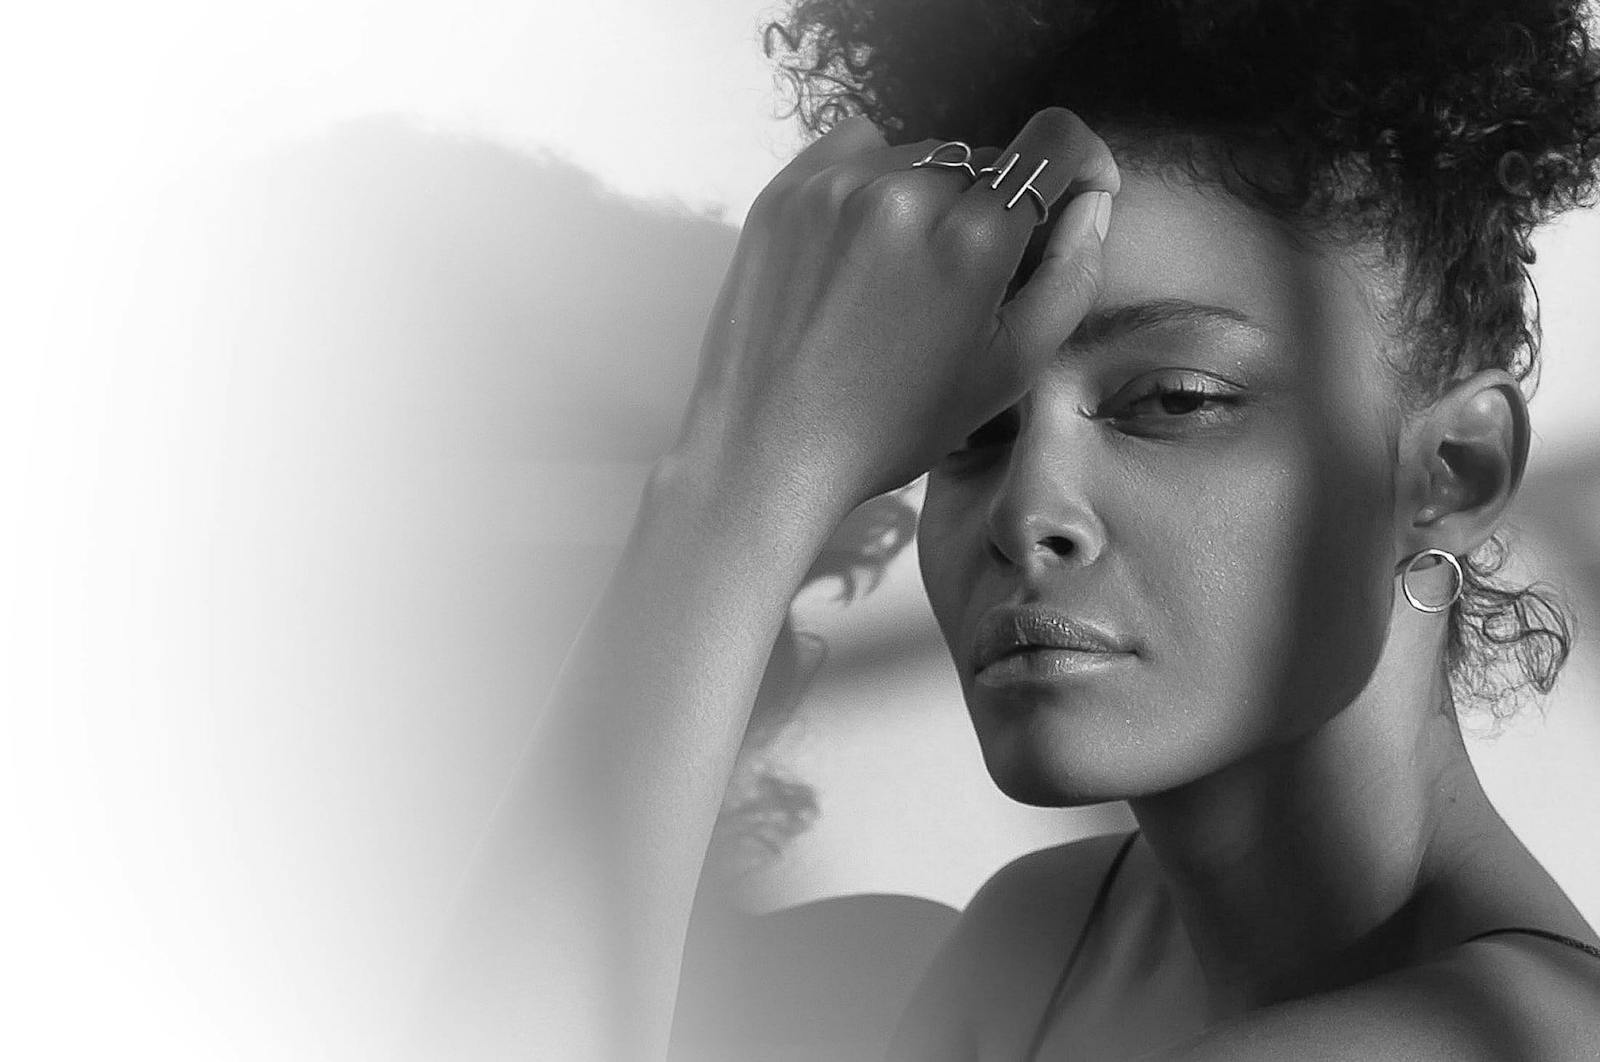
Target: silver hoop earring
{"x": 1410, "y": 565}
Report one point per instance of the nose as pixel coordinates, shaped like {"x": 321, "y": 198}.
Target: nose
{"x": 1040, "y": 515}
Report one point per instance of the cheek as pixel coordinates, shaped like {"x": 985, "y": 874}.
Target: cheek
{"x": 1279, "y": 599}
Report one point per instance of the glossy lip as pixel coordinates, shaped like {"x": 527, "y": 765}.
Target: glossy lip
{"x": 1006, "y": 630}
{"x": 1035, "y": 665}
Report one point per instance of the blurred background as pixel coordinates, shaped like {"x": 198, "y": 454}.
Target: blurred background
{"x": 340, "y": 338}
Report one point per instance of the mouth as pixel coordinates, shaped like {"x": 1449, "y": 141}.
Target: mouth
{"x": 1038, "y": 663}
{"x": 1037, "y": 642}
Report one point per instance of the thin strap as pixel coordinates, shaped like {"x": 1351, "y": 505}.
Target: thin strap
{"x": 1057, "y": 993}
{"x": 1559, "y": 938}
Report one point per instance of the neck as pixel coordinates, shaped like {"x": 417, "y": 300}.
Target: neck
{"x": 1307, "y": 866}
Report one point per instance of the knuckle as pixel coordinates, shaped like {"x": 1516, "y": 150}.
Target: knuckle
{"x": 1059, "y": 122}
{"x": 1072, "y": 282}
{"x": 828, "y": 189}
{"x": 1010, "y": 343}
{"x": 770, "y": 203}
{"x": 896, "y": 200}
{"x": 1080, "y": 275}
{"x": 974, "y": 238}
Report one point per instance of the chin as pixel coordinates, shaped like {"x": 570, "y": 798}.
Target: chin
{"x": 1049, "y": 766}
{"x": 1049, "y": 752}
{"x": 1039, "y": 790}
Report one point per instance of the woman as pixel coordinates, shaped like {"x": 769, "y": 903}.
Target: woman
{"x": 1215, "y": 368}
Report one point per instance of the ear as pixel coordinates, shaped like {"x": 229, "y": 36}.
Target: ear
{"x": 1468, "y": 449}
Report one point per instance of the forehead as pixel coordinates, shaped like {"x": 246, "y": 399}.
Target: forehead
{"x": 1173, "y": 239}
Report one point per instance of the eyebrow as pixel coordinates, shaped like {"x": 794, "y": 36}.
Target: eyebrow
{"x": 1110, "y": 323}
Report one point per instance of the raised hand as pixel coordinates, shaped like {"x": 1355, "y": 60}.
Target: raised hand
{"x": 863, "y": 331}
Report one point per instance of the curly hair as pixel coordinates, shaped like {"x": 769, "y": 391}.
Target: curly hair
{"x": 1440, "y": 136}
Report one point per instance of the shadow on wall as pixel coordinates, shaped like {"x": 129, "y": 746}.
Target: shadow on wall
{"x": 525, "y": 309}
{"x": 449, "y": 366}
{"x": 506, "y": 308}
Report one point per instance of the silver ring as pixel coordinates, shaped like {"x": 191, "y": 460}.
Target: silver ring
{"x": 1027, "y": 188}
{"x": 1411, "y": 565}
{"x": 963, "y": 163}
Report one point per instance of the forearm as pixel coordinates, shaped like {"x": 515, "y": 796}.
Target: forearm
{"x": 570, "y": 930}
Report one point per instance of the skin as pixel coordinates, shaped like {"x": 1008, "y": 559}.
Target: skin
{"x": 1284, "y": 729}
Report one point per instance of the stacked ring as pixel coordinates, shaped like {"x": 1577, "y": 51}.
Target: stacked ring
{"x": 963, "y": 163}
{"x": 939, "y": 157}
{"x": 1027, "y": 186}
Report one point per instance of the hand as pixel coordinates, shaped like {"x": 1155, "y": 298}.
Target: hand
{"x": 863, "y": 332}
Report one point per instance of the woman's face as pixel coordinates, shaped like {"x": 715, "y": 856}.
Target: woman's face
{"x": 1207, "y": 474}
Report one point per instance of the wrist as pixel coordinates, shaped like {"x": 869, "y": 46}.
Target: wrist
{"x": 783, "y": 506}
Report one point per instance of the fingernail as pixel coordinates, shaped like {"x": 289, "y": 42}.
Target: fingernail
{"x": 1102, "y": 212}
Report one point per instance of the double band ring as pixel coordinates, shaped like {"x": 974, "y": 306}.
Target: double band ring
{"x": 1027, "y": 186}
{"x": 940, "y": 156}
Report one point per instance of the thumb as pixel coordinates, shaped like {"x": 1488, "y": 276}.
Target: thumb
{"x": 1045, "y": 310}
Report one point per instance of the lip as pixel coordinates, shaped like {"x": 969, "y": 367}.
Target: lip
{"x": 1040, "y": 665}
{"x": 1046, "y": 640}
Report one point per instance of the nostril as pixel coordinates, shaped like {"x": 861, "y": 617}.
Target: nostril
{"x": 1058, "y": 544}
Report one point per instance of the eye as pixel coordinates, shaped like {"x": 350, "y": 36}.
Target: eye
{"x": 1172, "y": 399}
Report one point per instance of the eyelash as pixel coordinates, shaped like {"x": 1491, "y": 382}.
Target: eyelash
{"x": 1207, "y": 401}
{"x": 1158, "y": 391}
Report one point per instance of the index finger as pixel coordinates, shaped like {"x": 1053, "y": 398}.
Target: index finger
{"x": 1055, "y": 156}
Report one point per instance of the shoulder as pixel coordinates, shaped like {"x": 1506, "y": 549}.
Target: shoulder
{"x": 1052, "y": 885}
{"x": 1006, "y": 943}
{"x": 1499, "y": 998}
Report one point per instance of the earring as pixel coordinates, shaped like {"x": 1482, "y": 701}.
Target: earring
{"x": 1409, "y": 565}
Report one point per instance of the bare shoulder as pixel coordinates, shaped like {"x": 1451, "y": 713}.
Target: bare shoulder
{"x": 1052, "y": 886}
{"x": 1504, "y": 997}
{"x": 1005, "y": 948}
